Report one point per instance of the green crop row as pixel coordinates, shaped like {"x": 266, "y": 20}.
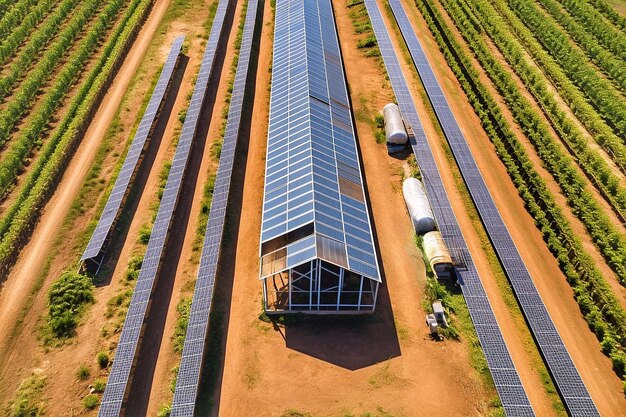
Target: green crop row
{"x": 597, "y": 89}
{"x": 19, "y": 149}
{"x": 574, "y": 98}
{"x": 602, "y": 311}
{"x": 4, "y": 7}
{"x": 611, "y": 38}
{"x": 17, "y": 36}
{"x": 589, "y": 160}
{"x": 610, "y": 65}
{"x": 610, "y": 241}
{"x": 609, "y": 13}
{"x": 41, "y": 181}
{"x": 38, "y": 40}
{"x": 23, "y": 99}
{"x": 15, "y": 16}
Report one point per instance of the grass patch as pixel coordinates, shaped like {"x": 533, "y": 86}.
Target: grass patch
{"x": 164, "y": 411}
{"x": 180, "y": 330}
{"x": 203, "y": 217}
{"x": 99, "y": 385}
{"x": 82, "y": 373}
{"x": 91, "y": 401}
{"x": 102, "y": 358}
{"x": 295, "y": 413}
{"x": 28, "y": 401}
{"x": 68, "y": 298}
{"x": 383, "y": 376}
{"x": 362, "y": 28}
{"x": 367, "y": 42}
{"x": 380, "y": 412}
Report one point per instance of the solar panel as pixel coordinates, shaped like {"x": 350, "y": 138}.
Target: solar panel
{"x": 313, "y": 175}
{"x": 94, "y": 248}
{"x": 186, "y": 390}
{"x": 508, "y": 384}
{"x": 566, "y": 377}
{"x": 125, "y": 356}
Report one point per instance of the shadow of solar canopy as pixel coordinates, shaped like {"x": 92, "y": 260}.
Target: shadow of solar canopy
{"x": 317, "y": 251}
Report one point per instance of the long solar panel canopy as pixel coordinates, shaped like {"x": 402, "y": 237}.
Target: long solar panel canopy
{"x": 566, "y": 377}
{"x": 93, "y": 254}
{"x": 120, "y": 378}
{"x": 505, "y": 376}
{"x": 317, "y": 250}
{"x": 188, "y": 378}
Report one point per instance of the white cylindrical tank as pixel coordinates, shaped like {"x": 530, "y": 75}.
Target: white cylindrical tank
{"x": 394, "y": 126}
{"x": 418, "y": 206}
{"x": 438, "y": 255}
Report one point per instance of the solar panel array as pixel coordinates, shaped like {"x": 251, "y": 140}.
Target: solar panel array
{"x": 188, "y": 378}
{"x": 566, "y": 376}
{"x": 125, "y": 355}
{"x": 121, "y": 187}
{"x": 505, "y": 376}
{"x": 312, "y": 169}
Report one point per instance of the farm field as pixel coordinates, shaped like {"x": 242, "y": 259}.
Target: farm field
{"x": 538, "y": 90}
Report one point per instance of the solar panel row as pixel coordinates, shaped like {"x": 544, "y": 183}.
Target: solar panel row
{"x": 566, "y": 376}
{"x": 190, "y": 368}
{"x": 505, "y": 376}
{"x": 125, "y": 355}
{"x": 93, "y": 251}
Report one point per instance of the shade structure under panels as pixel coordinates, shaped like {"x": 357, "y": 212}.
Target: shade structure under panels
{"x": 317, "y": 251}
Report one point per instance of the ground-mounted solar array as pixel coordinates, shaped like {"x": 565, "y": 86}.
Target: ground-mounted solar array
{"x": 188, "y": 378}
{"x": 566, "y": 377}
{"x": 94, "y": 251}
{"x": 505, "y": 376}
{"x": 125, "y": 355}
{"x": 314, "y": 207}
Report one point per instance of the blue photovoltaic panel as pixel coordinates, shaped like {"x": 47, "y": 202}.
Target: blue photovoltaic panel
{"x": 125, "y": 355}
{"x": 188, "y": 377}
{"x": 312, "y": 169}
{"x": 566, "y": 377}
{"x": 120, "y": 189}
{"x": 505, "y": 376}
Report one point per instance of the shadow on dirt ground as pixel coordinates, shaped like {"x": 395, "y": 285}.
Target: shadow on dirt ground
{"x": 351, "y": 342}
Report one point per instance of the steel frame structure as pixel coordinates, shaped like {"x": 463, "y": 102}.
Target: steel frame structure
{"x": 316, "y": 225}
